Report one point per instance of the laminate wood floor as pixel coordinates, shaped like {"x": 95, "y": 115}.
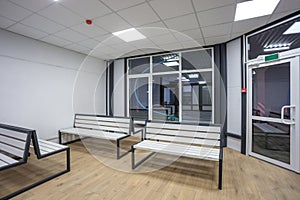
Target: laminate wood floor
{"x": 243, "y": 178}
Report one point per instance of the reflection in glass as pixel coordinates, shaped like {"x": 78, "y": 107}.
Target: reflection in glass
{"x": 165, "y": 104}
{"x": 272, "y": 140}
{"x": 138, "y": 101}
{"x": 196, "y": 97}
{"x": 166, "y": 62}
{"x": 200, "y": 59}
{"x": 271, "y": 86}
{"x": 139, "y": 65}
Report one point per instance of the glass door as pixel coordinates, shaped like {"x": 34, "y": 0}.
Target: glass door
{"x": 273, "y": 100}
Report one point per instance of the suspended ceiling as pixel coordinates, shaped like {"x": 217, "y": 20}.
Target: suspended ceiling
{"x": 167, "y": 24}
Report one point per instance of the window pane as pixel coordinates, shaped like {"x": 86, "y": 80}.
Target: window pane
{"x": 201, "y": 59}
{"x": 196, "y": 97}
{"x": 139, "y": 66}
{"x": 165, "y": 63}
{"x": 138, "y": 99}
{"x": 165, "y": 97}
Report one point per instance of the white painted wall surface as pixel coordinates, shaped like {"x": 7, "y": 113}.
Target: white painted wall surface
{"x": 42, "y": 86}
{"x": 119, "y": 88}
{"x": 234, "y": 99}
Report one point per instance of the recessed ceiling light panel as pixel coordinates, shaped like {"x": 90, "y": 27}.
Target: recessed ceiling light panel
{"x": 129, "y": 35}
{"x": 254, "y": 8}
{"x": 295, "y": 28}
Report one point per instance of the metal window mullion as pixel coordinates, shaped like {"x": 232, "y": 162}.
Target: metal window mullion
{"x": 212, "y": 88}
{"x": 180, "y": 87}
{"x": 150, "y": 78}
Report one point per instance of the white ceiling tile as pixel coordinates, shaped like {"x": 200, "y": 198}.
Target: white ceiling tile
{"x": 79, "y": 48}
{"x": 217, "y": 40}
{"x": 277, "y": 16}
{"x": 4, "y": 22}
{"x": 89, "y": 30}
{"x": 216, "y": 16}
{"x": 102, "y": 49}
{"x": 235, "y": 35}
{"x": 42, "y": 24}
{"x": 27, "y": 31}
{"x": 56, "y": 41}
{"x": 90, "y": 43}
{"x": 88, "y": 9}
{"x": 158, "y": 24}
{"x": 171, "y": 8}
{"x": 141, "y": 44}
{"x": 12, "y": 11}
{"x": 71, "y": 35}
{"x": 139, "y": 15}
{"x": 287, "y": 5}
{"x": 171, "y": 46}
{"x": 102, "y": 38}
{"x": 117, "y": 4}
{"x": 191, "y": 44}
{"x": 217, "y": 30}
{"x": 188, "y": 35}
{"x": 33, "y": 5}
{"x": 164, "y": 39}
{"x": 182, "y": 23}
{"x": 112, "y": 22}
{"x": 201, "y": 5}
{"x": 61, "y": 15}
{"x": 248, "y": 25}
{"x": 153, "y": 31}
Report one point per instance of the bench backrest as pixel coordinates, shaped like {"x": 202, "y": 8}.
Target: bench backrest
{"x": 206, "y": 135}
{"x": 102, "y": 122}
{"x": 15, "y": 141}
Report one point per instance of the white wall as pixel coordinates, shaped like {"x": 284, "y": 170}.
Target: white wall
{"x": 119, "y": 88}
{"x": 234, "y": 99}
{"x": 42, "y": 86}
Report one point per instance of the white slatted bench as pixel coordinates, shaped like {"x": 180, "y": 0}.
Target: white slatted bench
{"x": 101, "y": 127}
{"x": 14, "y": 146}
{"x": 188, "y": 140}
{"x": 14, "y": 151}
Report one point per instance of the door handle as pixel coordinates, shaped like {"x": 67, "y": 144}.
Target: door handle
{"x": 285, "y": 121}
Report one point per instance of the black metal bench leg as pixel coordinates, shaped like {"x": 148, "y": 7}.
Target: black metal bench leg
{"x": 132, "y": 158}
{"x": 59, "y": 137}
{"x": 220, "y": 173}
{"x": 68, "y": 160}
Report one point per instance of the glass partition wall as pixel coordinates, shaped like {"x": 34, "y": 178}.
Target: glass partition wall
{"x": 172, "y": 87}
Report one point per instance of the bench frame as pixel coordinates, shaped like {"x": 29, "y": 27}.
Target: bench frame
{"x": 118, "y": 141}
{"x": 32, "y": 135}
{"x": 135, "y": 164}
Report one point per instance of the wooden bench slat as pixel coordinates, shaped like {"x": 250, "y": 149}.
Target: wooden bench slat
{"x": 206, "y": 142}
{"x": 108, "y": 119}
{"x": 58, "y": 146}
{"x": 188, "y": 127}
{"x": 179, "y": 150}
{"x": 13, "y": 134}
{"x": 183, "y": 133}
{"x": 94, "y": 133}
{"x": 103, "y": 123}
{"x": 13, "y": 142}
{"x": 97, "y": 127}
{"x": 6, "y": 159}
{"x": 12, "y": 150}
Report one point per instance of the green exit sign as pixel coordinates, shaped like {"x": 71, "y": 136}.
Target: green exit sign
{"x": 272, "y": 57}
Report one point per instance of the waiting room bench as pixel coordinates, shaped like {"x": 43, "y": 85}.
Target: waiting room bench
{"x": 188, "y": 140}
{"x": 14, "y": 146}
{"x": 101, "y": 127}
{"x": 14, "y": 150}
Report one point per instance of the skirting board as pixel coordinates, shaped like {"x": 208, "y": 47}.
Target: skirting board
{"x": 234, "y": 143}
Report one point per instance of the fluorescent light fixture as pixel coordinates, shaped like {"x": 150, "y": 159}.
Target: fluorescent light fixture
{"x": 202, "y": 82}
{"x": 277, "y": 47}
{"x": 254, "y": 8}
{"x": 171, "y": 64}
{"x": 193, "y": 75}
{"x": 129, "y": 35}
{"x": 295, "y": 28}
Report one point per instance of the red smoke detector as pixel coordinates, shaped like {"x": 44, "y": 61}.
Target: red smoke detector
{"x": 88, "y": 21}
